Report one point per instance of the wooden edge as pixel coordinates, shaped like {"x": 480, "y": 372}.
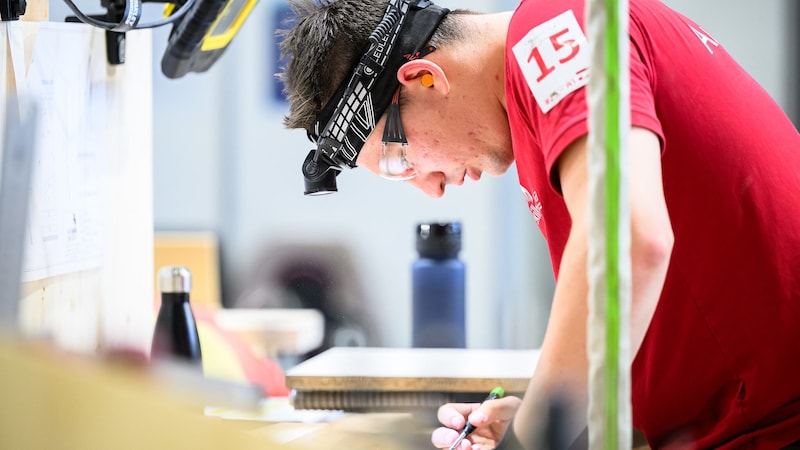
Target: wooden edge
{"x": 36, "y": 11}
{"x": 408, "y": 384}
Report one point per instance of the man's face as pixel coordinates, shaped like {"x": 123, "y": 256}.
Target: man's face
{"x": 450, "y": 138}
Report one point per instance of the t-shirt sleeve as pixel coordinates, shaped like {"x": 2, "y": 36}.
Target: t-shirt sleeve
{"x": 568, "y": 120}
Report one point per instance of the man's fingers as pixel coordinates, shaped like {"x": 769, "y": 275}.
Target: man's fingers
{"x": 453, "y": 417}
{"x": 443, "y": 437}
{"x": 453, "y": 414}
{"x": 501, "y": 409}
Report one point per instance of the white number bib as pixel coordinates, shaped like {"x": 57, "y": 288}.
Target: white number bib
{"x": 554, "y": 59}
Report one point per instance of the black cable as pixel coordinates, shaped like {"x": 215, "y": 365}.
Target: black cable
{"x": 118, "y": 26}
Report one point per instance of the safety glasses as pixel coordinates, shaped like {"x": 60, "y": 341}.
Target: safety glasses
{"x": 394, "y": 163}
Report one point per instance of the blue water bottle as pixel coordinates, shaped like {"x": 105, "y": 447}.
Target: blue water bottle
{"x": 439, "y": 288}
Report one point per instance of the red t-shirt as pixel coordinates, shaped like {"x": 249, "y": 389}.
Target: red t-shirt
{"x": 720, "y": 364}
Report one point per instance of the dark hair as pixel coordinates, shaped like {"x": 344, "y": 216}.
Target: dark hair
{"x": 324, "y": 43}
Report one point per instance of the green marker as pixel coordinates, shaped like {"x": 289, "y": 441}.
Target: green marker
{"x": 496, "y": 393}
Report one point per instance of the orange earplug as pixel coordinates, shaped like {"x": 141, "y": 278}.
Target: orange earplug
{"x": 427, "y": 80}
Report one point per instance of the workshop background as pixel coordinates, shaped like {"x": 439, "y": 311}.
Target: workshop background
{"x": 224, "y": 163}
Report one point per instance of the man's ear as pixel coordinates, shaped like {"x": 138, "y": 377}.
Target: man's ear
{"x": 420, "y": 71}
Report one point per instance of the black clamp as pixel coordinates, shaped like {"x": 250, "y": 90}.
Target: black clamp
{"x": 115, "y": 40}
{"x": 12, "y": 9}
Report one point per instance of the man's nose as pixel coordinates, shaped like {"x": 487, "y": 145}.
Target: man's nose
{"x": 431, "y": 184}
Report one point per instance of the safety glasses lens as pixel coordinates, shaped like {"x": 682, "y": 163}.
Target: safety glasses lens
{"x": 393, "y": 163}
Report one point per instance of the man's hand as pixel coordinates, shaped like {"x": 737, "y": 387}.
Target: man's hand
{"x": 491, "y": 419}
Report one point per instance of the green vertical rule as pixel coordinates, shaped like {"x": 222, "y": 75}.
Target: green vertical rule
{"x": 612, "y": 195}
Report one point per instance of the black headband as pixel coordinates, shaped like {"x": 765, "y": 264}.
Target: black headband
{"x": 350, "y": 116}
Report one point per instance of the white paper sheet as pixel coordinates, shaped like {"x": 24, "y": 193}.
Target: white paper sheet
{"x": 52, "y": 62}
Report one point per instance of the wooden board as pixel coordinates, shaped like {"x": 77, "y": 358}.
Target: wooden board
{"x": 414, "y": 369}
{"x": 107, "y": 306}
{"x": 58, "y": 400}
{"x": 275, "y": 331}
{"x": 198, "y": 251}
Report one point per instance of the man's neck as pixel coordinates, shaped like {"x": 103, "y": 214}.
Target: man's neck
{"x": 482, "y": 52}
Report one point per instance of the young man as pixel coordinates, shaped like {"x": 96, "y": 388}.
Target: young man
{"x": 714, "y": 193}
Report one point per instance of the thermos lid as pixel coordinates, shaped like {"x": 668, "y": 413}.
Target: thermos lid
{"x": 439, "y": 239}
{"x": 174, "y": 280}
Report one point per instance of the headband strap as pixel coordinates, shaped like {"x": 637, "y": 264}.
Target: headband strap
{"x": 350, "y": 116}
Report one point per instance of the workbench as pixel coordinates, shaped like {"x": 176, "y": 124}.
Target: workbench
{"x": 57, "y": 400}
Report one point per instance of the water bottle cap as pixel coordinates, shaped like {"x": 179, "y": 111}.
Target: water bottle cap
{"x": 439, "y": 240}
{"x": 174, "y": 280}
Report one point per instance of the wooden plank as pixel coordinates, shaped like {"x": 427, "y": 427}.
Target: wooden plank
{"x": 36, "y": 11}
{"x": 56, "y": 400}
{"x": 53, "y": 400}
{"x": 414, "y": 370}
{"x": 198, "y": 251}
{"x": 274, "y": 331}
{"x": 112, "y": 305}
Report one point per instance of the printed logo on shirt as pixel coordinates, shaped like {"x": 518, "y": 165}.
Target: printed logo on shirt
{"x": 705, "y": 39}
{"x": 534, "y": 205}
{"x": 554, "y": 58}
